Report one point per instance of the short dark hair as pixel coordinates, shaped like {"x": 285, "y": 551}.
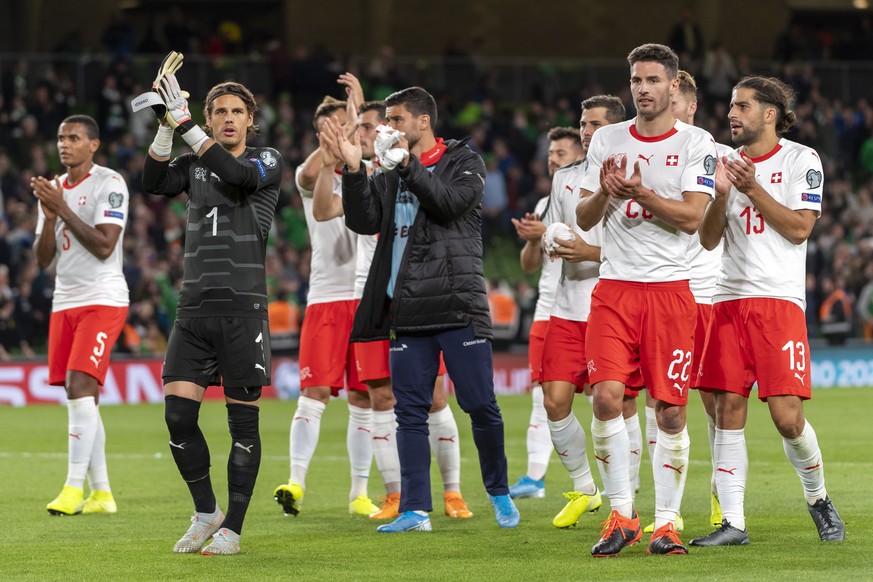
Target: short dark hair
{"x": 237, "y": 90}
{"x": 615, "y": 112}
{"x": 658, "y": 53}
{"x": 687, "y": 85}
{"x": 775, "y": 92}
{"x": 92, "y": 130}
{"x": 571, "y": 133}
{"x": 377, "y": 106}
{"x": 417, "y": 101}
{"x": 326, "y": 108}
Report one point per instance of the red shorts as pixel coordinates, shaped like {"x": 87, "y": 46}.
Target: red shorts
{"x": 701, "y": 333}
{"x": 757, "y": 339}
{"x": 371, "y": 360}
{"x": 326, "y": 356}
{"x": 643, "y": 326}
{"x": 535, "y": 342}
{"x": 564, "y": 353}
{"x": 81, "y": 339}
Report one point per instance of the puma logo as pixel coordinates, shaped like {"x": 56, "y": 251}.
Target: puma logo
{"x": 671, "y": 467}
{"x": 602, "y": 459}
{"x": 450, "y": 439}
{"x": 381, "y": 438}
{"x": 261, "y": 368}
{"x": 247, "y": 449}
{"x": 303, "y": 418}
{"x": 563, "y": 453}
{"x": 174, "y": 445}
{"x": 534, "y": 426}
{"x": 363, "y": 428}
{"x": 728, "y": 471}
{"x": 816, "y": 466}
{"x": 97, "y": 361}
{"x": 799, "y": 376}
{"x": 78, "y": 437}
{"x": 647, "y": 159}
{"x": 635, "y": 452}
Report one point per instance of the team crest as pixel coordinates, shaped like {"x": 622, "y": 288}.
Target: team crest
{"x": 813, "y": 178}
{"x": 268, "y": 159}
{"x": 709, "y": 164}
{"x": 116, "y": 199}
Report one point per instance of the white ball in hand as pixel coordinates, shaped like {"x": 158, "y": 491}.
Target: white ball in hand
{"x": 556, "y": 230}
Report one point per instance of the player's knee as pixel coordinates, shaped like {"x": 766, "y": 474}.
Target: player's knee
{"x": 245, "y": 453}
{"x": 181, "y": 415}
{"x": 557, "y": 407}
{"x": 487, "y": 414}
{"x": 381, "y": 397}
{"x": 245, "y": 394}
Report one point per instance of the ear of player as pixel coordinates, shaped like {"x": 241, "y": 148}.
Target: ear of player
{"x": 171, "y": 63}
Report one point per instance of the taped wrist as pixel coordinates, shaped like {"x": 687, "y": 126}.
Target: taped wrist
{"x": 193, "y": 135}
{"x": 162, "y": 146}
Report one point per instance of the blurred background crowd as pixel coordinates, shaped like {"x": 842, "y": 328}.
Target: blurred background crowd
{"x": 506, "y": 107}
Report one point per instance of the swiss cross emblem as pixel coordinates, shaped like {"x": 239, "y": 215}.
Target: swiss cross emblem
{"x": 776, "y": 178}
{"x": 672, "y": 160}
{"x": 83, "y": 200}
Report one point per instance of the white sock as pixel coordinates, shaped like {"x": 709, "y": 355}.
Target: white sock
{"x": 670, "y": 469}
{"x": 635, "y": 437}
{"x": 569, "y": 440}
{"x": 731, "y": 473}
{"x": 539, "y": 441}
{"x": 710, "y": 431}
{"x": 305, "y": 427}
{"x": 444, "y": 443}
{"x": 651, "y": 431}
{"x": 385, "y": 449}
{"x": 82, "y": 422}
{"x": 98, "y": 476}
{"x": 612, "y": 451}
{"x": 804, "y": 454}
{"x": 359, "y": 444}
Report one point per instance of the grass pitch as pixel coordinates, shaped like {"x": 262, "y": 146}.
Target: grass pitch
{"x": 324, "y": 543}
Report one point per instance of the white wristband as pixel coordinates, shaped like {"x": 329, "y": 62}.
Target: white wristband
{"x": 163, "y": 144}
{"x": 195, "y": 137}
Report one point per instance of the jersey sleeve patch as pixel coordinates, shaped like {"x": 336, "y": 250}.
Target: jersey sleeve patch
{"x": 813, "y": 178}
{"x": 260, "y": 166}
{"x": 113, "y": 214}
{"x": 811, "y": 197}
{"x": 704, "y": 181}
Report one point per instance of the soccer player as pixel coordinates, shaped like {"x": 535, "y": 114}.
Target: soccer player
{"x": 426, "y": 209}
{"x": 565, "y": 147}
{"x": 82, "y": 215}
{"x": 768, "y": 197}
{"x": 705, "y": 267}
{"x": 327, "y": 362}
{"x": 642, "y": 311}
{"x": 220, "y": 335}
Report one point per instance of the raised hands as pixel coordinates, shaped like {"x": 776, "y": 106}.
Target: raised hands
{"x": 333, "y": 137}
{"x": 614, "y": 182}
{"x": 529, "y": 227}
{"x": 354, "y": 99}
{"x": 738, "y": 172}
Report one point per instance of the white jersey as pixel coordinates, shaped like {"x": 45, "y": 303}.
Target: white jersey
{"x": 758, "y": 261}
{"x": 636, "y": 245}
{"x": 577, "y": 281}
{"x": 549, "y": 274}
{"x": 82, "y": 279}
{"x": 332, "y": 266}
{"x": 705, "y": 265}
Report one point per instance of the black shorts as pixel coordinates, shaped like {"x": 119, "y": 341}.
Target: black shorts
{"x": 233, "y": 352}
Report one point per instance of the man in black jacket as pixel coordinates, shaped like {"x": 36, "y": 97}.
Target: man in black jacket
{"x": 426, "y": 292}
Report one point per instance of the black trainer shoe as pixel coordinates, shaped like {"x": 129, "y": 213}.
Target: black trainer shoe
{"x": 618, "y": 532}
{"x": 666, "y": 541}
{"x": 725, "y": 535}
{"x": 827, "y": 521}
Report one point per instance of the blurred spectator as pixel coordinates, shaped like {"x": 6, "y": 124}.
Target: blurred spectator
{"x": 686, "y": 37}
{"x": 835, "y": 313}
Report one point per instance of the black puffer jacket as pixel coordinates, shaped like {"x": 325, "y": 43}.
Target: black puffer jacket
{"x": 440, "y": 284}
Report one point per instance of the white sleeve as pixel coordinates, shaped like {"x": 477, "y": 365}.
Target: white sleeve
{"x": 40, "y": 219}
{"x": 303, "y": 191}
{"x": 806, "y": 182}
{"x": 112, "y": 201}
{"x": 699, "y": 172}
{"x": 594, "y": 161}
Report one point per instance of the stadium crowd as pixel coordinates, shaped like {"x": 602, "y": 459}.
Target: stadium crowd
{"x": 510, "y": 135}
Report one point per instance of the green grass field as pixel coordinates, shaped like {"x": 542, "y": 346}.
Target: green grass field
{"x": 324, "y": 543}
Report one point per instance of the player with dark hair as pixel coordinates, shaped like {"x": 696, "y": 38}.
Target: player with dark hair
{"x": 426, "y": 208}
{"x": 768, "y": 198}
{"x": 82, "y": 215}
{"x": 643, "y": 314}
{"x": 220, "y": 336}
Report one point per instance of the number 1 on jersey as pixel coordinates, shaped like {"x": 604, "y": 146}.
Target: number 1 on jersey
{"x": 214, "y": 214}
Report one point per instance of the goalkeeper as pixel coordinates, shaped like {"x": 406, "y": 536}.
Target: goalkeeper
{"x": 220, "y": 336}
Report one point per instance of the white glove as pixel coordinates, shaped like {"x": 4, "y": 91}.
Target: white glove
{"x": 171, "y": 63}
{"x": 389, "y": 157}
{"x": 178, "y": 115}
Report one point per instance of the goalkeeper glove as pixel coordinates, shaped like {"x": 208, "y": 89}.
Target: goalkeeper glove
{"x": 171, "y": 63}
{"x": 178, "y": 115}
